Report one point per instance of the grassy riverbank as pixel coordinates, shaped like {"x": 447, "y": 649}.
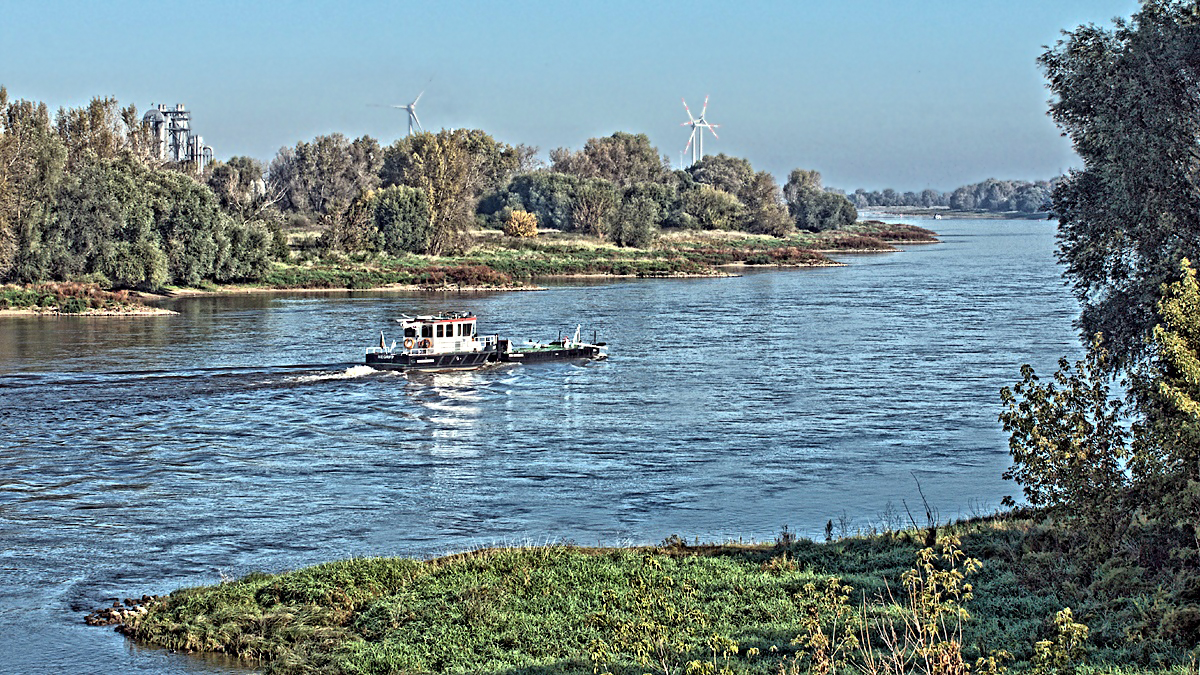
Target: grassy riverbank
{"x": 71, "y": 298}
{"x": 750, "y": 608}
{"x": 497, "y": 261}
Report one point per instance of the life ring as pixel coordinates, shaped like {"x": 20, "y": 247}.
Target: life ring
{"x": 408, "y": 343}
{"x": 425, "y": 344}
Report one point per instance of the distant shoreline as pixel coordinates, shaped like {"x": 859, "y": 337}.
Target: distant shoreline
{"x": 923, "y": 212}
{"x": 135, "y": 310}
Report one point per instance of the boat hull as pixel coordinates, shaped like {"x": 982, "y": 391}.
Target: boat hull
{"x": 430, "y": 362}
{"x": 537, "y": 355}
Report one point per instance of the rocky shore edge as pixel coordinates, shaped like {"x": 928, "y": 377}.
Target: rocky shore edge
{"x": 123, "y": 615}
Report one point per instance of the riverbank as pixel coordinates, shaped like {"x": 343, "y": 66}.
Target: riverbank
{"x": 73, "y": 299}
{"x": 757, "y": 608}
{"x": 496, "y": 262}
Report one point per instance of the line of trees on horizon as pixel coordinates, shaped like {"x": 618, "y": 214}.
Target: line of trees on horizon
{"x": 992, "y": 195}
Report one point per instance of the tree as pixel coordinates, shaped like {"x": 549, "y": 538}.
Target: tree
{"x": 1068, "y": 439}
{"x": 764, "y": 210}
{"x": 594, "y": 200}
{"x": 402, "y": 218}
{"x": 104, "y": 224}
{"x": 1126, "y": 98}
{"x": 241, "y": 188}
{"x": 560, "y": 201}
{"x": 711, "y": 209}
{"x": 101, "y": 130}
{"x": 32, "y": 167}
{"x": 623, "y": 158}
{"x": 549, "y": 195}
{"x": 311, "y": 177}
{"x": 453, "y": 168}
{"x": 636, "y": 222}
{"x": 730, "y": 174}
{"x": 1167, "y": 462}
{"x": 814, "y": 208}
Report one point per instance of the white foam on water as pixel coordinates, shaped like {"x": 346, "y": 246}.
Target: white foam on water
{"x": 350, "y": 373}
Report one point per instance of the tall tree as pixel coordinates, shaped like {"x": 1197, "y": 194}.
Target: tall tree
{"x": 452, "y": 167}
{"x": 1128, "y": 99}
{"x": 32, "y": 163}
{"x": 758, "y": 192}
{"x": 812, "y": 207}
{"x": 240, "y": 186}
{"x": 312, "y": 177}
{"x": 623, "y": 158}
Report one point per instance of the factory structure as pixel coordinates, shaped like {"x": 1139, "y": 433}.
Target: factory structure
{"x": 171, "y": 137}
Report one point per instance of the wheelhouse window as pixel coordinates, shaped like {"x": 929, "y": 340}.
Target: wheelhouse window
{"x": 410, "y": 332}
{"x": 440, "y": 331}
{"x": 427, "y": 331}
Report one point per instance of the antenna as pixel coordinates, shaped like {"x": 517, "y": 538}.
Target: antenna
{"x": 698, "y": 125}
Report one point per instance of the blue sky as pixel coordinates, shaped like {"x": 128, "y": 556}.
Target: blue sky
{"x": 872, "y": 94}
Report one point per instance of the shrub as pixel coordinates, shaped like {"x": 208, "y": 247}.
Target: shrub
{"x": 521, "y": 224}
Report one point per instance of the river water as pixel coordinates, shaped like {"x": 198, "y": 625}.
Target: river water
{"x": 139, "y": 455}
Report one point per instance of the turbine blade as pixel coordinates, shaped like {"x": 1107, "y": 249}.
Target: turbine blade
{"x": 418, "y": 98}
{"x": 416, "y": 119}
{"x": 689, "y": 110}
{"x": 705, "y": 108}
{"x": 710, "y": 128}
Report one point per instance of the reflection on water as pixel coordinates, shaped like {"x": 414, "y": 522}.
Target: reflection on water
{"x": 138, "y": 455}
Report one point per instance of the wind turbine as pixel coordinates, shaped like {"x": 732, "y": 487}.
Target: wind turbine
{"x": 698, "y": 125}
{"x": 412, "y": 112}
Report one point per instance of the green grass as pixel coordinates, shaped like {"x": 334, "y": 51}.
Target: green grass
{"x": 549, "y": 609}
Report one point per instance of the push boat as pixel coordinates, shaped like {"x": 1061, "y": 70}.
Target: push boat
{"x": 452, "y": 342}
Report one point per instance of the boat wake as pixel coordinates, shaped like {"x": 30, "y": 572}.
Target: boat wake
{"x": 351, "y": 373}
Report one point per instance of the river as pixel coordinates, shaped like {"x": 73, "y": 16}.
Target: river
{"x": 139, "y": 455}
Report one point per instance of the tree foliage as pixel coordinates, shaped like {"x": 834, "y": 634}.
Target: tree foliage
{"x": 1068, "y": 438}
{"x": 762, "y": 201}
{"x": 1167, "y": 464}
{"x": 1128, "y": 99}
{"x": 814, "y": 208}
{"x": 559, "y": 201}
{"x": 999, "y": 196}
{"x": 453, "y": 168}
{"x": 313, "y": 178}
{"x": 635, "y": 222}
{"x": 623, "y": 158}
{"x": 79, "y": 200}
{"x": 32, "y": 167}
{"x": 102, "y": 130}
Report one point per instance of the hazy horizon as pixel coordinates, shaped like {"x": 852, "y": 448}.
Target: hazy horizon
{"x": 871, "y": 94}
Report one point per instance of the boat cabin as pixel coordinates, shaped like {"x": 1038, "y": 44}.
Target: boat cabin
{"x": 453, "y": 332}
